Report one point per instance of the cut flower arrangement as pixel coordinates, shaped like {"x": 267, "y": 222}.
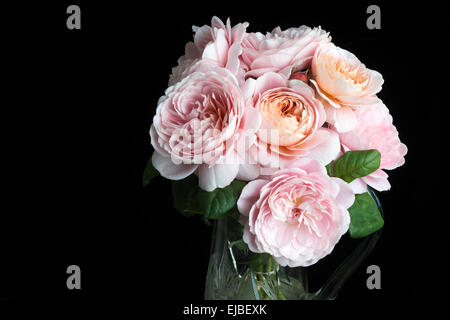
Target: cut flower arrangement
{"x": 281, "y": 139}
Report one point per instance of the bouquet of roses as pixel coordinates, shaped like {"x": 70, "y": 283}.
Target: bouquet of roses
{"x": 282, "y": 131}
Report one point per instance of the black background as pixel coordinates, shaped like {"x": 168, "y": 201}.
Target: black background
{"x": 76, "y": 142}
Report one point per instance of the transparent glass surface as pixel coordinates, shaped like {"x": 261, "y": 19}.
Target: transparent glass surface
{"x": 230, "y": 278}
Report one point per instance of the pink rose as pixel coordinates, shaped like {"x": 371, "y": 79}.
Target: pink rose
{"x": 219, "y": 44}
{"x": 281, "y": 51}
{"x": 298, "y": 215}
{"x": 290, "y": 122}
{"x": 198, "y": 123}
{"x": 344, "y": 84}
{"x": 374, "y": 130}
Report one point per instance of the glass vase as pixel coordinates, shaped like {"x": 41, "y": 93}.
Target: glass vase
{"x": 231, "y": 277}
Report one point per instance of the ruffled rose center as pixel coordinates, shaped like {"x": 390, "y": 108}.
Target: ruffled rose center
{"x": 213, "y": 111}
{"x": 301, "y": 205}
{"x": 288, "y": 115}
{"x": 206, "y": 118}
{"x": 352, "y": 71}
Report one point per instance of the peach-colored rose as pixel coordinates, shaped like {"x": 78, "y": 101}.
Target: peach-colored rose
{"x": 344, "y": 84}
{"x": 298, "y": 215}
{"x": 374, "y": 130}
{"x": 291, "y": 122}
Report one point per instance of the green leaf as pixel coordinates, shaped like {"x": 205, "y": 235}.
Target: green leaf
{"x": 217, "y": 203}
{"x": 189, "y": 199}
{"x": 234, "y": 213}
{"x": 329, "y": 168}
{"x": 184, "y": 194}
{"x": 356, "y": 164}
{"x": 238, "y": 244}
{"x": 365, "y": 217}
{"x": 149, "y": 173}
{"x": 237, "y": 186}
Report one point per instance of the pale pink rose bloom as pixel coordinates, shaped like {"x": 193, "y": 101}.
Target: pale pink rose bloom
{"x": 198, "y": 124}
{"x": 375, "y": 130}
{"x": 219, "y": 44}
{"x": 290, "y": 122}
{"x": 298, "y": 215}
{"x": 281, "y": 51}
{"x": 344, "y": 84}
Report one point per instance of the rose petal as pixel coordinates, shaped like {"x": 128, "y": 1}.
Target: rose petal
{"x": 249, "y": 195}
{"x": 216, "y": 176}
{"x": 170, "y": 170}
